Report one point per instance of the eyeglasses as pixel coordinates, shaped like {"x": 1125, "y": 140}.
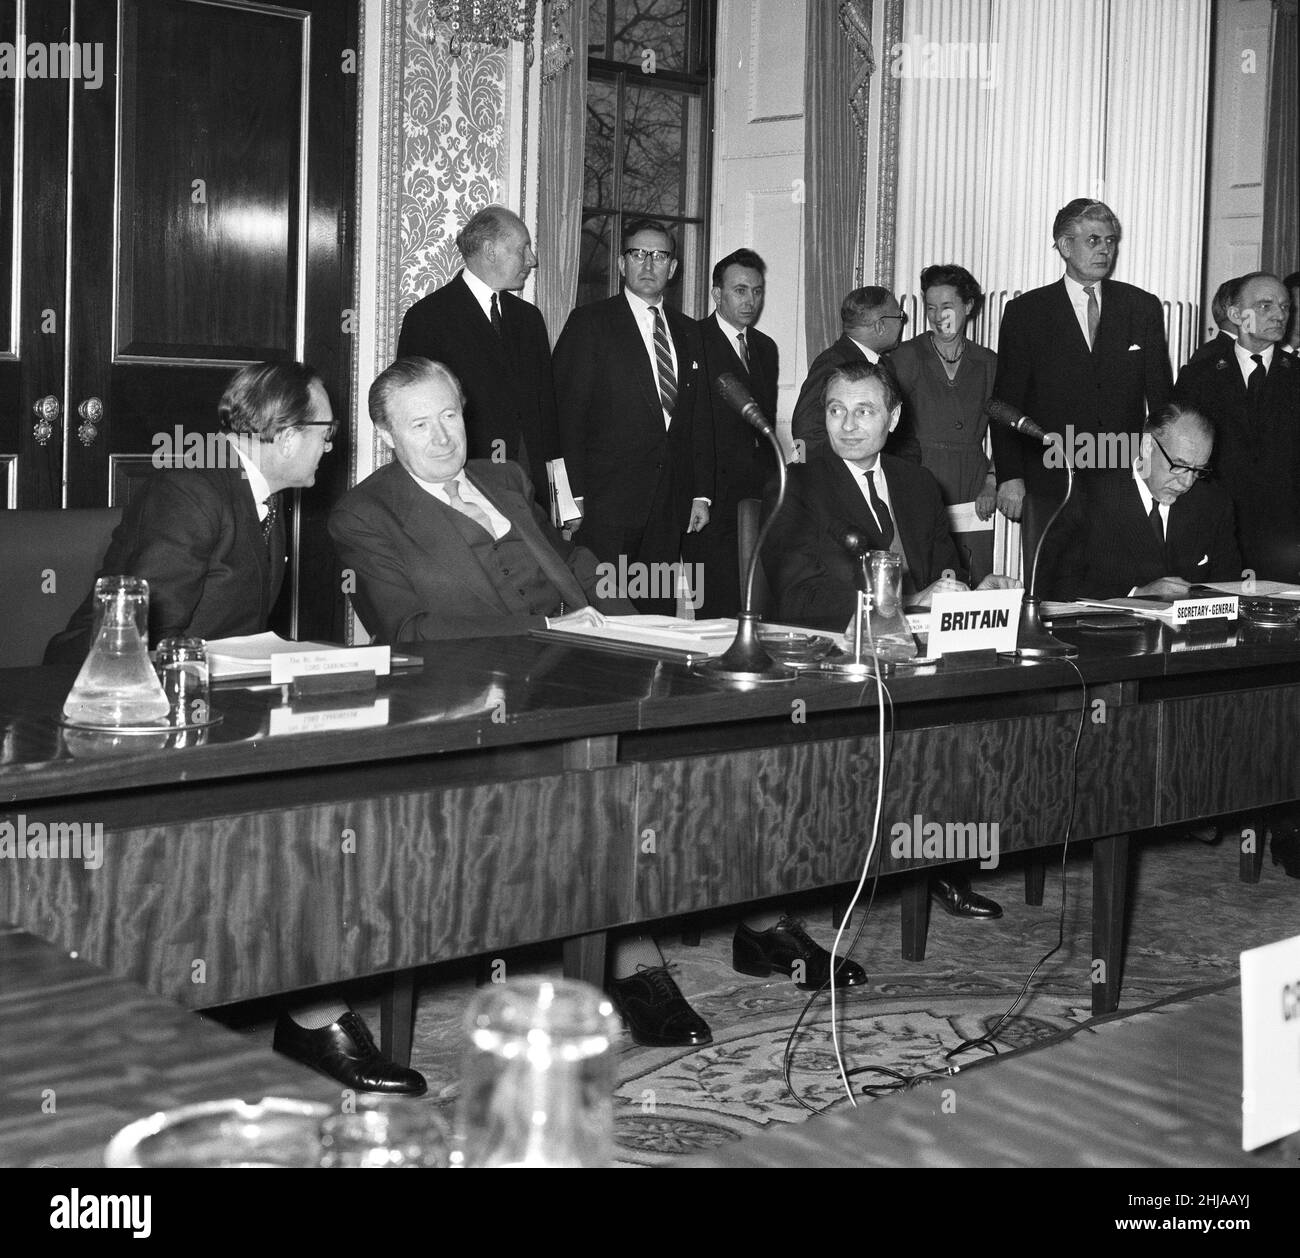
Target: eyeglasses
{"x": 1177, "y": 469}
{"x": 1093, "y": 241}
{"x": 902, "y": 318}
{"x": 332, "y": 425}
{"x": 657, "y": 256}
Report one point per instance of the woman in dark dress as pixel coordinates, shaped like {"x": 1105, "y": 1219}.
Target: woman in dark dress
{"x": 946, "y": 380}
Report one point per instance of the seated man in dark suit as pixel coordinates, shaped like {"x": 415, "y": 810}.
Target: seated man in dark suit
{"x": 210, "y": 542}
{"x": 443, "y": 548}
{"x": 851, "y": 486}
{"x": 1156, "y": 529}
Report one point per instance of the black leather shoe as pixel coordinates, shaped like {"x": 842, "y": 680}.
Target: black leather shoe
{"x": 788, "y": 949}
{"x": 345, "y": 1051}
{"x": 958, "y": 899}
{"x": 656, "y": 1012}
{"x": 1285, "y": 845}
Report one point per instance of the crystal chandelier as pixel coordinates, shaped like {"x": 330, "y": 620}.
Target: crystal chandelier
{"x": 493, "y": 22}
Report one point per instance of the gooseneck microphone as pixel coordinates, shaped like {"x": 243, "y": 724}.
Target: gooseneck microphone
{"x": 746, "y": 661}
{"x": 859, "y": 549}
{"x": 741, "y": 400}
{"x": 1009, "y": 417}
{"x": 1032, "y": 640}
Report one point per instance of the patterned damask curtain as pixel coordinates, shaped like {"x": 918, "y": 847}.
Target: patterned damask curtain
{"x": 1281, "y": 174}
{"x": 561, "y": 148}
{"x": 834, "y": 89}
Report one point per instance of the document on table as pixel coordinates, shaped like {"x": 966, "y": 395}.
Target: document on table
{"x": 1257, "y": 589}
{"x": 666, "y": 637}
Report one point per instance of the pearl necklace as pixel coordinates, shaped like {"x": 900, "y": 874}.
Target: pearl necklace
{"x": 952, "y": 362}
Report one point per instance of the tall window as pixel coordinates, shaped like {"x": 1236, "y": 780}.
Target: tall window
{"x": 648, "y": 71}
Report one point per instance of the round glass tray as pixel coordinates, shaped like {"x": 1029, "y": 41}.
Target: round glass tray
{"x": 214, "y": 719}
{"x": 798, "y": 650}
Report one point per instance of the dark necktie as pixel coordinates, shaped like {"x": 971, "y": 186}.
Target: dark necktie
{"x": 744, "y": 349}
{"x": 496, "y": 315}
{"x": 664, "y": 358}
{"x": 1094, "y": 314}
{"x": 1255, "y": 381}
{"x": 883, "y": 518}
{"x": 272, "y": 511}
{"x": 1157, "y": 526}
{"x": 470, "y": 510}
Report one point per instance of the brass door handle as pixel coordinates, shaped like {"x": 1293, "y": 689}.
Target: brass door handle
{"x": 91, "y": 412}
{"x": 47, "y": 412}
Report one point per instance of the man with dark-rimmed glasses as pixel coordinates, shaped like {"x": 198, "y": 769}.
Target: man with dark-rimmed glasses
{"x": 1155, "y": 529}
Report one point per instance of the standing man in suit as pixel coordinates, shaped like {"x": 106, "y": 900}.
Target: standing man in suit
{"x": 1251, "y": 390}
{"x": 873, "y": 324}
{"x": 1082, "y": 357}
{"x": 745, "y": 458}
{"x": 1228, "y": 330}
{"x": 851, "y": 485}
{"x": 446, "y": 548}
{"x": 636, "y": 420}
{"x": 210, "y": 542}
{"x": 496, "y": 344}
{"x": 1156, "y": 529}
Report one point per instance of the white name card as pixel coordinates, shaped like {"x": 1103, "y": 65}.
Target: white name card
{"x": 1270, "y": 1042}
{"x": 978, "y": 620}
{"x": 287, "y": 666}
{"x": 1185, "y": 610}
{"x": 309, "y": 721}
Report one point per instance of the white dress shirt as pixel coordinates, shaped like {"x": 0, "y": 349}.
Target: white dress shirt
{"x": 482, "y": 293}
{"x": 1246, "y": 363}
{"x": 468, "y": 493}
{"x": 257, "y": 483}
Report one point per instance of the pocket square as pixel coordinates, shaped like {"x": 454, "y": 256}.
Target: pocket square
{"x": 1134, "y": 346}
{"x": 1202, "y": 561}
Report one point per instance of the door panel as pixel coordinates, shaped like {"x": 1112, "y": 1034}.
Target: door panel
{"x": 33, "y": 259}
{"x": 211, "y": 179}
{"x": 223, "y": 129}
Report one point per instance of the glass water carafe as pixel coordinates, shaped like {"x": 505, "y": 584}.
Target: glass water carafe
{"x": 117, "y": 685}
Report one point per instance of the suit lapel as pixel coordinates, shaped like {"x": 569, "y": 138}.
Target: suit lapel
{"x": 1067, "y": 330}
{"x": 520, "y": 515}
{"x": 849, "y": 501}
{"x": 480, "y": 326}
{"x": 1132, "y": 519}
{"x": 427, "y": 522}
{"x": 630, "y": 348}
{"x": 268, "y": 561}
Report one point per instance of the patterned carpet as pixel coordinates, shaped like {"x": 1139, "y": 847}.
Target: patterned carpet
{"x": 1190, "y": 917}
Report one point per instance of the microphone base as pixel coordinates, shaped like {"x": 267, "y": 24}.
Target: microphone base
{"x": 746, "y": 662}
{"x": 1033, "y": 642}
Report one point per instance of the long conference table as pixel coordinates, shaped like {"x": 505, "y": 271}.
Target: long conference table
{"x": 517, "y": 790}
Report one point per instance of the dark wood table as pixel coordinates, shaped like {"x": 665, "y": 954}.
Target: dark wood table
{"x": 83, "y": 1053}
{"x": 521, "y": 790}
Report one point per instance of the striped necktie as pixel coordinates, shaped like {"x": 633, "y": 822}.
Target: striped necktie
{"x": 664, "y": 359}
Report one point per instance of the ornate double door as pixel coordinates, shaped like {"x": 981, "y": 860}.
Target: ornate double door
{"x": 176, "y": 203}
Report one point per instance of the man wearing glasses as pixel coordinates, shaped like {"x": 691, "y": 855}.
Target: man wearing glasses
{"x": 1251, "y": 390}
{"x": 1083, "y": 357}
{"x": 873, "y": 324}
{"x": 1155, "y": 529}
{"x": 636, "y": 420}
{"x": 210, "y": 541}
